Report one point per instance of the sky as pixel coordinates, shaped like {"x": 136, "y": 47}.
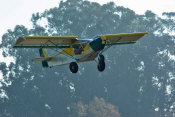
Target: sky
{"x": 13, "y": 12}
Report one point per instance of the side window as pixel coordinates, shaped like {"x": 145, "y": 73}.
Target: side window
{"x": 77, "y": 49}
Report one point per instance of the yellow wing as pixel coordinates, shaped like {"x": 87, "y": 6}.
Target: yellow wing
{"x": 116, "y": 39}
{"x": 45, "y": 41}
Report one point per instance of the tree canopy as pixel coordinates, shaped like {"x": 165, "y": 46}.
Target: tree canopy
{"x": 139, "y": 78}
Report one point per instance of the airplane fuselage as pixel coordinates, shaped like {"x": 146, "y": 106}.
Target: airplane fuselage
{"x": 86, "y": 50}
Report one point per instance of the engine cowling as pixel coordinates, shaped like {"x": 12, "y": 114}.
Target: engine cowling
{"x": 97, "y": 44}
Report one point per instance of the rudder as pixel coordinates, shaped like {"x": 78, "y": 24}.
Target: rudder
{"x": 43, "y": 53}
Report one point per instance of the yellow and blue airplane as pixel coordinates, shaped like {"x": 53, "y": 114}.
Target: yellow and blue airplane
{"x": 71, "y": 50}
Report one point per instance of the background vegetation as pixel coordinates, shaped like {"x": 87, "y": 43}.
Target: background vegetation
{"x": 139, "y": 80}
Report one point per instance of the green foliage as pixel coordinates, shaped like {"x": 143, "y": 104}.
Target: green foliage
{"x": 96, "y": 108}
{"x": 136, "y": 79}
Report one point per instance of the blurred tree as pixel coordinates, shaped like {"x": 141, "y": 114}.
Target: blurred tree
{"x": 139, "y": 78}
{"x": 96, "y": 108}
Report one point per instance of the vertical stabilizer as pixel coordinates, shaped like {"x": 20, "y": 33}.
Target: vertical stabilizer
{"x": 43, "y": 53}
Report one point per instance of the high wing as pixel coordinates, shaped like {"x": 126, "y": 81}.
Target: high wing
{"x": 45, "y": 41}
{"x": 117, "y": 39}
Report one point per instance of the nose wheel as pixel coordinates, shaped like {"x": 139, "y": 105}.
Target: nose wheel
{"x": 101, "y": 63}
{"x": 73, "y": 67}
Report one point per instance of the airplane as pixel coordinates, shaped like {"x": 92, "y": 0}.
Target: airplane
{"x": 71, "y": 50}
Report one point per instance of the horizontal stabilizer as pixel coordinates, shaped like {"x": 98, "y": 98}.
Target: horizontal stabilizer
{"x": 44, "y": 59}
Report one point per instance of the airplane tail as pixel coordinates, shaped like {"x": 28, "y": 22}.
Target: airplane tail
{"x": 43, "y": 53}
{"x": 51, "y": 61}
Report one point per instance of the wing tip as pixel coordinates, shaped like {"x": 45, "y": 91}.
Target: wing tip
{"x": 144, "y": 33}
{"x": 20, "y": 39}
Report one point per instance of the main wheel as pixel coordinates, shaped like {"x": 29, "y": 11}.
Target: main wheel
{"x": 101, "y": 66}
{"x": 73, "y": 67}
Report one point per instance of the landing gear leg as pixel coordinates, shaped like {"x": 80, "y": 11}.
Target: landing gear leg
{"x": 73, "y": 67}
{"x": 101, "y": 58}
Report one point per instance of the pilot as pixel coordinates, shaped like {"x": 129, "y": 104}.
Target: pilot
{"x": 78, "y": 50}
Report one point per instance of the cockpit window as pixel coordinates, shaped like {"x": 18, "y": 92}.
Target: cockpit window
{"x": 96, "y": 37}
{"x": 77, "y": 49}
